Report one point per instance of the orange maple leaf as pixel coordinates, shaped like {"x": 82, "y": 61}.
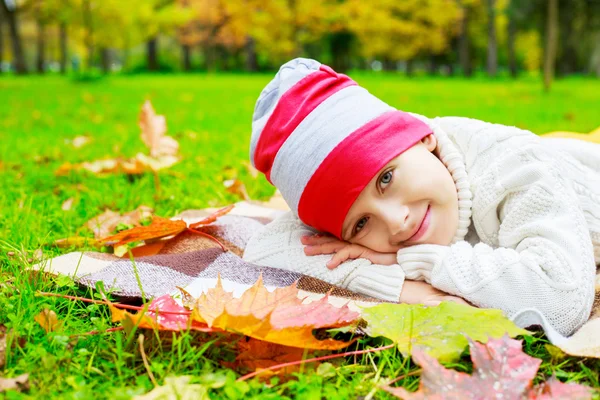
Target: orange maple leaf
{"x": 275, "y": 316}
{"x": 159, "y": 228}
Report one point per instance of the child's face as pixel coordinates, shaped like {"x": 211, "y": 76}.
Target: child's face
{"x": 411, "y": 191}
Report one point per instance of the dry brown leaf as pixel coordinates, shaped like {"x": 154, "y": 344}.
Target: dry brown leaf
{"x": 80, "y": 141}
{"x": 21, "y": 382}
{"x": 237, "y": 187}
{"x": 251, "y": 170}
{"x": 153, "y": 129}
{"x": 66, "y": 206}
{"x": 48, "y": 320}
{"x": 75, "y": 241}
{"x": 105, "y": 223}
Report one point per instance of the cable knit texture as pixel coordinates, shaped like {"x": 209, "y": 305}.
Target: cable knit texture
{"x": 528, "y": 238}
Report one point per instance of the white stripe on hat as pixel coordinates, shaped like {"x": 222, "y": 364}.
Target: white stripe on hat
{"x": 317, "y": 135}
{"x": 289, "y": 74}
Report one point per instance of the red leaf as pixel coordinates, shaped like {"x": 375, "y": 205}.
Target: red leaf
{"x": 501, "y": 370}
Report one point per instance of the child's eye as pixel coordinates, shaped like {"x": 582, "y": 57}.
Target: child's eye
{"x": 385, "y": 179}
{"x": 360, "y": 224}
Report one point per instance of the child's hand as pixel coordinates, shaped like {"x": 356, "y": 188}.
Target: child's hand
{"x": 326, "y": 244}
{"x": 418, "y": 292}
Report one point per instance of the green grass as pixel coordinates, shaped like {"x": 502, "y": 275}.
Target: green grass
{"x": 210, "y": 116}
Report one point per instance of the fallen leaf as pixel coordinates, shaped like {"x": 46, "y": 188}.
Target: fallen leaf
{"x": 163, "y": 150}
{"x": 159, "y": 228}
{"x": 212, "y": 217}
{"x": 66, "y": 206}
{"x": 76, "y": 241}
{"x": 21, "y": 382}
{"x": 153, "y": 129}
{"x": 440, "y": 331}
{"x": 251, "y": 170}
{"x": 237, "y": 187}
{"x": 38, "y": 254}
{"x": 163, "y": 313}
{"x": 254, "y": 355}
{"x": 80, "y": 141}
{"x": 105, "y": 166}
{"x": 106, "y": 223}
{"x": 48, "y": 320}
{"x": 500, "y": 370}
{"x": 276, "y": 317}
{"x": 143, "y": 162}
{"x": 176, "y": 388}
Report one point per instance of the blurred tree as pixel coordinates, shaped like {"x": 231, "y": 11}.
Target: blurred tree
{"x": 393, "y": 30}
{"x": 10, "y": 11}
{"x": 551, "y": 45}
{"x": 464, "y": 51}
{"x": 492, "y": 46}
{"x": 513, "y": 14}
{"x": 1, "y": 38}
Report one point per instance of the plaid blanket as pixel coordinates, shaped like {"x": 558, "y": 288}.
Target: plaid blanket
{"x": 194, "y": 262}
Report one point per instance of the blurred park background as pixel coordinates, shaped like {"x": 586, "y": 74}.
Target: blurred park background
{"x": 445, "y": 37}
{"x": 75, "y": 73}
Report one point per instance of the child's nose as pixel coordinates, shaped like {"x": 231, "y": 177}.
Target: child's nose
{"x": 397, "y": 219}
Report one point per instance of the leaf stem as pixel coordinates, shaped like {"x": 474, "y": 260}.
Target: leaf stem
{"x": 214, "y": 239}
{"x": 108, "y": 303}
{"x": 289, "y": 364}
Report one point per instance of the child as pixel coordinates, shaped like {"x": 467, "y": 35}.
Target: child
{"x": 489, "y": 213}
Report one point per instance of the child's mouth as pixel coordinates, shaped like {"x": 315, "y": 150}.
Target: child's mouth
{"x": 423, "y": 227}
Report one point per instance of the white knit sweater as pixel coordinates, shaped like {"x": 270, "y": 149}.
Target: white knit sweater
{"x": 528, "y": 239}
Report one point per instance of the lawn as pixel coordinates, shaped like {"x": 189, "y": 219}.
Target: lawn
{"x": 210, "y": 116}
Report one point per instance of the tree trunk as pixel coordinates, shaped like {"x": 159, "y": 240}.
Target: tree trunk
{"x": 464, "y": 53}
{"x": 433, "y": 66}
{"x": 251, "y": 59}
{"x": 510, "y": 38}
{"x": 186, "y": 52}
{"x": 409, "y": 67}
{"x": 152, "y": 54}
{"x": 1, "y": 38}
{"x": 17, "y": 46}
{"x": 89, "y": 32}
{"x": 105, "y": 60}
{"x": 551, "y": 39}
{"x": 492, "y": 48}
{"x": 62, "y": 37}
{"x": 41, "y": 44}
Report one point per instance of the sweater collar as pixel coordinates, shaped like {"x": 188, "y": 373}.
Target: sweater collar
{"x": 451, "y": 157}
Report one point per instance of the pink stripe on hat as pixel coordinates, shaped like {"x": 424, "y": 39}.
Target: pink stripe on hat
{"x": 292, "y": 108}
{"x": 352, "y": 164}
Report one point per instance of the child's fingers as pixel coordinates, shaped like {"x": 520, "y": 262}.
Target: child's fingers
{"x": 325, "y": 248}
{"x": 348, "y": 252}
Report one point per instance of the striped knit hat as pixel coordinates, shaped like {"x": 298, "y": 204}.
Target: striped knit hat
{"x": 320, "y": 138}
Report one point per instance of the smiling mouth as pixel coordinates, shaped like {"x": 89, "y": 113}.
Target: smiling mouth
{"x": 423, "y": 227}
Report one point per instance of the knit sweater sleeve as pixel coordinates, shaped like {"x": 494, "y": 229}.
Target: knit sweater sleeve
{"x": 535, "y": 261}
{"x": 278, "y": 245}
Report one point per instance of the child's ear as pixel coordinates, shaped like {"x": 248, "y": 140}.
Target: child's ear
{"x": 430, "y": 141}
